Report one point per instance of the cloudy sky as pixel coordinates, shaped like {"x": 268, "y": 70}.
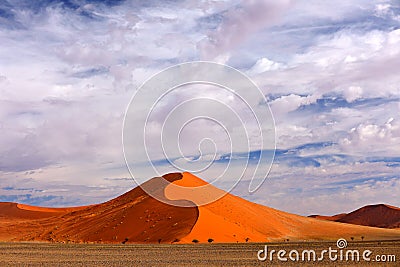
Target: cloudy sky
{"x": 328, "y": 69}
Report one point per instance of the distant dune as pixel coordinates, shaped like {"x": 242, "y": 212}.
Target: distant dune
{"x": 135, "y": 217}
{"x": 380, "y": 215}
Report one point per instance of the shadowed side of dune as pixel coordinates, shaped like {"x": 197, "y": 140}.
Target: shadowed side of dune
{"x": 383, "y": 216}
{"x": 132, "y": 217}
{"x": 379, "y": 215}
{"x": 328, "y": 218}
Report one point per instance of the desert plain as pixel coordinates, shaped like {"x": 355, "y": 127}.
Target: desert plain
{"x": 204, "y": 254}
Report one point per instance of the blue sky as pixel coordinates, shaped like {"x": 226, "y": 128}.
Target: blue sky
{"x": 329, "y": 70}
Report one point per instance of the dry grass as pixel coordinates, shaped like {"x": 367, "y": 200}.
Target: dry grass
{"x": 52, "y": 254}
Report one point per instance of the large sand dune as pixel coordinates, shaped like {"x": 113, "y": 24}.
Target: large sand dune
{"x": 137, "y": 217}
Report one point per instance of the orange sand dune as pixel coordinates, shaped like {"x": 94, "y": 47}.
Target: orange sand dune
{"x": 380, "y": 215}
{"x": 137, "y": 217}
{"x": 233, "y": 219}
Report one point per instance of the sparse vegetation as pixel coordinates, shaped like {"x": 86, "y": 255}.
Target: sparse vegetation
{"x": 247, "y": 239}
{"x": 362, "y": 238}
{"x": 352, "y": 238}
{"x": 210, "y": 240}
{"x": 125, "y": 240}
{"x": 195, "y": 241}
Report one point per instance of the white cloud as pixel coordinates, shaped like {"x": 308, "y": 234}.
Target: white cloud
{"x": 288, "y": 103}
{"x": 263, "y": 65}
{"x": 239, "y": 23}
{"x": 353, "y": 93}
{"x": 341, "y": 60}
{"x": 374, "y": 139}
{"x": 382, "y": 9}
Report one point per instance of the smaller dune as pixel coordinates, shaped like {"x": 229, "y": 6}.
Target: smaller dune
{"x": 379, "y": 215}
{"x": 49, "y": 210}
{"x": 11, "y": 211}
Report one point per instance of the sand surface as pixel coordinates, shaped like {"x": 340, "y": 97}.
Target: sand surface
{"x": 242, "y": 254}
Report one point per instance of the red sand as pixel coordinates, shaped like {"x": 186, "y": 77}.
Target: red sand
{"x": 137, "y": 217}
{"x": 380, "y": 215}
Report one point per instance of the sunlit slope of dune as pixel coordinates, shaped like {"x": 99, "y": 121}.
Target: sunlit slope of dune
{"x": 233, "y": 219}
